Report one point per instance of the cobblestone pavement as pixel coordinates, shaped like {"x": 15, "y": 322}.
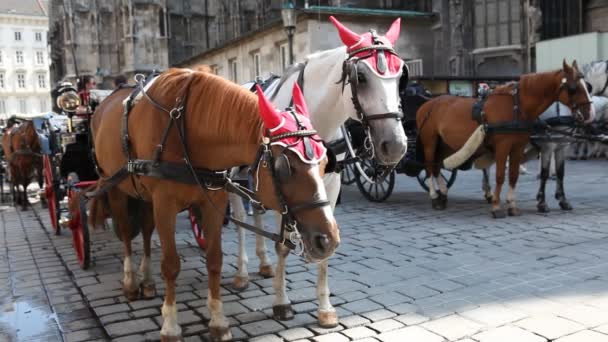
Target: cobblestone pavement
{"x": 402, "y": 273}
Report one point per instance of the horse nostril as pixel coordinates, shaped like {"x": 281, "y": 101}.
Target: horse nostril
{"x": 321, "y": 242}
{"x": 384, "y": 147}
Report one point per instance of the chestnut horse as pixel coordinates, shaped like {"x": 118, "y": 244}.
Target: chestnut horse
{"x": 446, "y": 124}
{"x": 222, "y": 122}
{"x": 22, "y": 152}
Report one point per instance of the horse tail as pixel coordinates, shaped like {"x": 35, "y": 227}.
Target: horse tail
{"x": 469, "y": 148}
{"x": 99, "y": 208}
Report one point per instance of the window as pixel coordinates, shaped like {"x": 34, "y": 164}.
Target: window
{"x": 39, "y": 57}
{"x": 232, "y": 65}
{"x": 23, "y": 106}
{"x": 21, "y": 80}
{"x": 43, "y": 105}
{"x": 283, "y": 51}
{"x": 19, "y": 57}
{"x": 41, "y": 81}
{"x": 3, "y": 106}
{"x": 497, "y": 22}
{"x": 1, "y": 80}
{"x": 18, "y": 35}
{"x": 257, "y": 66}
{"x": 38, "y": 36}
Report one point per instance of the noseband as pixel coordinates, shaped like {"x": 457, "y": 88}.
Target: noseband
{"x": 289, "y": 236}
{"x": 571, "y": 87}
{"x": 350, "y": 76}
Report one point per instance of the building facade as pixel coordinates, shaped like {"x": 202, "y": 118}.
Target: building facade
{"x": 24, "y": 60}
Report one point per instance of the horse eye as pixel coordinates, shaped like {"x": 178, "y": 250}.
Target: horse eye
{"x": 361, "y": 78}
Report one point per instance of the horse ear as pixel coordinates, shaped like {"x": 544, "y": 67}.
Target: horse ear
{"x": 575, "y": 65}
{"x": 393, "y": 32}
{"x": 267, "y": 111}
{"x": 565, "y": 66}
{"x": 348, "y": 37}
{"x": 298, "y": 100}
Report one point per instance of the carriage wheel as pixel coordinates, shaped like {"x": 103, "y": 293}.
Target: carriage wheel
{"x": 381, "y": 187}
{"x": 50, "y": 190}
{"x": 80, "y": 234}
{"x": 196, "y": 222}
{"x": 348, "y": 176}
{"x": 448, "y": 175}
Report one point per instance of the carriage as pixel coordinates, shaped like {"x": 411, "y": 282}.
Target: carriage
{"x": 376, "y": 182}
{"x": 68, "y": 169}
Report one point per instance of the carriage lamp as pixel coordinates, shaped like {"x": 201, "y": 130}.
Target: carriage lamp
{"x": 289, "y": 15}
{"x": 68, "y": 101}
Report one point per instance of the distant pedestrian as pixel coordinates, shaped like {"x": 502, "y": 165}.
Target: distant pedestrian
{"x": 120, "y": 81}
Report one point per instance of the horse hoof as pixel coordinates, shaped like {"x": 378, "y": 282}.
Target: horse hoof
{"x": 148, "y": 291}
{"x": 514, "y": 212}
{"x": 164, "y": 338}
{"x": 565, "y": 206}
{"x": 543, "y": 208}
{"x": 131, "y": 294}
{"x": 438, "y": 203}
{"x": 266, "y": 271}
{"x": 283, "y": 312}
{"x": 328, "y": 319}
{"x": 220, "y": 334}
{"x": 489, "y": 199}
{"x": 498, "y": 214}
{"x": 444, "y": 200}
{"x": 240, "y": 283}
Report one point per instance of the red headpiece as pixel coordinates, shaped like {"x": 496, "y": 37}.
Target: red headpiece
{"x": 278, "y": 123}
{"x": 354, "y": 42}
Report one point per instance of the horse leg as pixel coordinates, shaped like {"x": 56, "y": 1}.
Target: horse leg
{"x": 261, "y": 251}
{"x": 281, "y": 308}
{"x": 218, "y": 326}
{"x": 164, "y": 218}
{"x": 515, "y": 158}
{"x": 148, "y": 286}
{"x": 545, "y": 163}
{"x": 502, "y": 151}
{"x": 24, "y": 200}
{"x": 441, "y": 186}
{"x": 241, "y": 280}
{"x": 120, "y": 217}
{"x": 560, "y": 165}
{"x": 485, "y": 185}
{"x": 429, "y": 158}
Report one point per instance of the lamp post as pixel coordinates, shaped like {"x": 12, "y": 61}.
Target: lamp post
{"x": 289, "y": 15}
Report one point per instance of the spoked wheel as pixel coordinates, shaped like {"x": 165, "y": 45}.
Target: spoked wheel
{"x": 382, "y": 183}
{"x": 196, "y": 222}
{"x": 50, "y": 192}
{"x": 348, "y": 176}
{"x": 449, "y": 176}
{"x": 80, "y": 233}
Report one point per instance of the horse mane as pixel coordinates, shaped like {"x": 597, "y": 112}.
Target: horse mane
{"x": 224, "y": 108}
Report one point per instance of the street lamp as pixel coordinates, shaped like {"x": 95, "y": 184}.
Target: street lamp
{"x": 288, "y": 12}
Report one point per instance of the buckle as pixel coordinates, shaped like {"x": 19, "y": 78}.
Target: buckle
{"x": 131, "y": 166}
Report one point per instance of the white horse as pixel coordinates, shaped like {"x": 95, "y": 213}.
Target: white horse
{"x": 359, "y": 80}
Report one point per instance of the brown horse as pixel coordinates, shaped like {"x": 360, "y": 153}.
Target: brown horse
{"x": 22, "y": 152}
{"x": 446, "y": 124}
{"x": 224, "y": 128}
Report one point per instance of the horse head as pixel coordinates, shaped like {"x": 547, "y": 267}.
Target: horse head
{"x": 374, "y": 71}
{"x": 573, "y": 93}
{"x": 290, "y": 179}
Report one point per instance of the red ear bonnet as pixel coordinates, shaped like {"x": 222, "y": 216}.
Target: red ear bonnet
{"x": 269, "y": 114}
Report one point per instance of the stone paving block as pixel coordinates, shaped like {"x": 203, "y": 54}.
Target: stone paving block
{"x": 358, "y": 333}
{"x": 385, "y": 325}
{"x": 354, "y": 321}
{"x": 84, "y": 335}
{"x": 508, "y": 334}
{"x": 295, "y": 334}
{"x": 378, "y": 315}
{"x": 333, "y": 337}
{"x": 363, "y": 305}
{"x": 300, "y": 320}
{"x": 550, "y": 326}
{"x": 268, "y": 326}
{"x": 453, "y": 327}
{"x": 584, "y": 314}
{"x": 493, "y": 315}
{"x": 267, "y": 338}
{"x": 414, "y": 333}
{"x": 584, "y": 336}
{"x": 131, "y": 327}
{"x": 111, "y": 309}
{"x": 390, "y": 298}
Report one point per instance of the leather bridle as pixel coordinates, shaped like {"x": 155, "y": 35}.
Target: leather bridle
{"x": 571, "y": 87}
{"x": 350, "y": 76}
